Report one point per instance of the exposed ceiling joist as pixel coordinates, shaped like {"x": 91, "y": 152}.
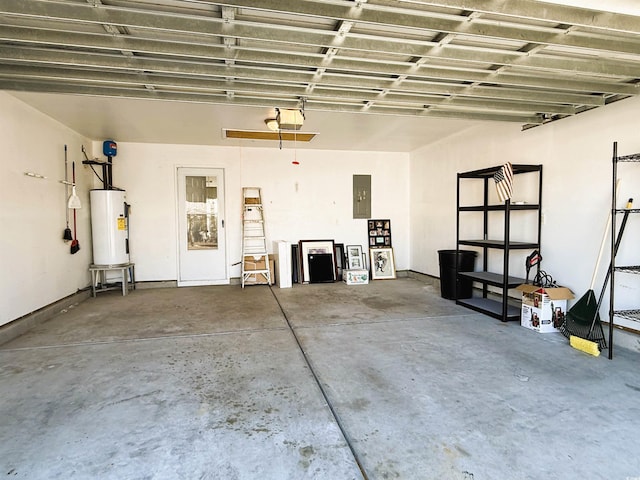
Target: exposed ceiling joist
{"x": 405, "y": 18}
{"x": 523, "y": 61}
{"x": 281, "y": 66}
{"x": 253, "y": 100}
{"x": 279, "y": 92}
{"x": 534, "y": 10}
{"x": 420, "y": 19}
{"x": 339, "y": 84}
{"x": 203, "y": 49}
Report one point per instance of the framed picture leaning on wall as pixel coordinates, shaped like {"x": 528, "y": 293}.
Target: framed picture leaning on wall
{"x": 354, "y": 257}
{"x": 340, "y": 258}
{"x": 383, "y": 265}
{"x": 309, "y": 247}
{"x": 379, "y": 232}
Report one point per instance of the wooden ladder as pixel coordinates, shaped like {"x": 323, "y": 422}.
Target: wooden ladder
{"x": 255, "y": 259}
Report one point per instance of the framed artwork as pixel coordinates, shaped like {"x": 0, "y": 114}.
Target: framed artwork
{"x": 379, "y": 232}
{"x": 383, "y": 265}
{"x": 322, "y": 267}
{"x": 295, "y": 263}
{"x": 340, "y": 259}
{"x": 355, "y": 259}
{"x": 310, "y": 247}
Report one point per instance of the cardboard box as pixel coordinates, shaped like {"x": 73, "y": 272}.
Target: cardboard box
{"x": 259, "y": 278}
{"x": 355, "y": 277}
{"x": 543, "y": 309}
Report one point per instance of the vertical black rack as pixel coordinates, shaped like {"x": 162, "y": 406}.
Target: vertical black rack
{"x": 627, "y": 314}
{"x": 497, "y": 308}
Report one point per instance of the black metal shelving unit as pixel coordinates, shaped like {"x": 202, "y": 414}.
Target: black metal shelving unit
{"x": 627, "y": 314}
{"x": 500, "y": 309}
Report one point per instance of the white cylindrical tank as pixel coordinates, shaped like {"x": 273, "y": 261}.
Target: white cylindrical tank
{"x": 109, "y": 227}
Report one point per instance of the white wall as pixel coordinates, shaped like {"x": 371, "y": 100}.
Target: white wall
{"x": 307, "y": 201}
{"x": 37, "y": 267}
{"x": 576, "y": 153}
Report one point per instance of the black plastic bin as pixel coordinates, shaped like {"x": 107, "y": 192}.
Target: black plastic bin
{"x": 466, "y": 260}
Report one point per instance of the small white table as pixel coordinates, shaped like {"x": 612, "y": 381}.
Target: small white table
{"x": 98, "y": 272}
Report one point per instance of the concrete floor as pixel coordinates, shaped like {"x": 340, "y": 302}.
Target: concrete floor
{"x": 323, "y": 381}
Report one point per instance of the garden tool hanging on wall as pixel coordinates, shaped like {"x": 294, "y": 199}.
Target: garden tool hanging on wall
{"x": 67, "y": 235}
{"x": 75, "y": 204}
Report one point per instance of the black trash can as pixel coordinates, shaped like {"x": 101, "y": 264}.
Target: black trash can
{"x": 466, "y": 260}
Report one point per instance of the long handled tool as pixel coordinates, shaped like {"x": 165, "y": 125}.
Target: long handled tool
{"x": 75, "y": 245}
{"x": 608, "y": 275}
{"x": 584, "y": 314}
{"x": 66, "y": 236}
{"x": 74, "y": 199}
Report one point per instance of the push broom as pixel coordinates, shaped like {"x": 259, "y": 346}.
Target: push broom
{"x": 581, "y": 319}
{"x": 615, "y": 252}
{"x": 584, "y": 342}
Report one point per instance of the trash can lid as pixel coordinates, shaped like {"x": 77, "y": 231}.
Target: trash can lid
{"x": 464, "y": 252}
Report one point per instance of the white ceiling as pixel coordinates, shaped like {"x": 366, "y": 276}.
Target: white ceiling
{"x": 148, "y": 121}
{"x": 341, "y": 126}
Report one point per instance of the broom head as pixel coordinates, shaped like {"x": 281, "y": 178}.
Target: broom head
{"x": 75, "y": 246}
{"x": 584, "y": 345}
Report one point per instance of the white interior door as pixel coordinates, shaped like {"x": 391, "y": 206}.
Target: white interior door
{"x": 201, "y": 236}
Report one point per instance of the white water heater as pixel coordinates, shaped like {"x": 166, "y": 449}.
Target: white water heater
{"x": 109, "y": 227}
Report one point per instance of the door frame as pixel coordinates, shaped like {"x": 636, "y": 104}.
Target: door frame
{"x": 194, "y": 283}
